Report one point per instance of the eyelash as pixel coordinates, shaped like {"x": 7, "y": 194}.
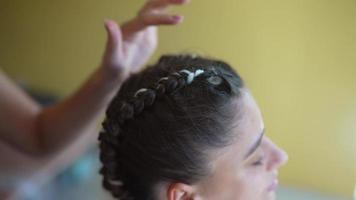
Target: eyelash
{"x": 259, "y": 162}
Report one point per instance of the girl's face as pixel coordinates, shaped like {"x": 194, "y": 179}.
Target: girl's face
{"x": 247, "y": 169}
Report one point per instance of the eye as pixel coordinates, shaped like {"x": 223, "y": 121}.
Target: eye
{"x": 259, "y": 161}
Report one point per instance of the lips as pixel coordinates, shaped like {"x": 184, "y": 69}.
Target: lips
{"x": 273, "y": 187}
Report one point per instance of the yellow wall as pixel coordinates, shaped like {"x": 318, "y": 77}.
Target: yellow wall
{"x": 298, "y": 58}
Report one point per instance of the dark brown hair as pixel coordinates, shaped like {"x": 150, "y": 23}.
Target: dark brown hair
{"x": 165, "y": 132}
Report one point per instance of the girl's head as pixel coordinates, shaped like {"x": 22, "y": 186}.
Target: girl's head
{"x": 187, "y": 128}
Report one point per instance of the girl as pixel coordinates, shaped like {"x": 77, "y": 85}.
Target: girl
{"x": 187, "y": 128}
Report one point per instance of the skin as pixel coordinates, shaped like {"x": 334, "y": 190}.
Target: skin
{"x": 43, "y": 140}
{"x": 238, "y": 173}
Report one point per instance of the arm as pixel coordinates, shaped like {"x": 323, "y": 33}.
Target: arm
{"x": 61, "y": 123}
{"x": 42, "y": 131}
{"x": 18, "y": 114}
{"x": 33, "y": 129}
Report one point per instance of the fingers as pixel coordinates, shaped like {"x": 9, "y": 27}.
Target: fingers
{"x": 161, "y": 19}
{"x": 155, "y": 10}
{"x": 113, "y": 33}
{"x": 162, "y": 4}
{"x": 154, "y": 14}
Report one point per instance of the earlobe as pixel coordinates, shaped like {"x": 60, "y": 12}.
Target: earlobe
{"x": 180, "y": 191}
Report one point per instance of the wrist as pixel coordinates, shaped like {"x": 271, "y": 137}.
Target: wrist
{"x": 109, "y": 78}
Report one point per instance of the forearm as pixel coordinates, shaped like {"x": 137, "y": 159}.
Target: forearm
{"x": 79, "y": 114}
{"x": 18, "y": 116}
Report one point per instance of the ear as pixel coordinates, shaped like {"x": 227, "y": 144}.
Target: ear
{"x": 180, "y": 191}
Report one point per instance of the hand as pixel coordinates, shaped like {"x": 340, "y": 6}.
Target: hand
{"x": 130, "y": 47}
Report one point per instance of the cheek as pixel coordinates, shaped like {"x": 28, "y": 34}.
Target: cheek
{"x": 241, "y": 186}
{"x": 251, "y": 185}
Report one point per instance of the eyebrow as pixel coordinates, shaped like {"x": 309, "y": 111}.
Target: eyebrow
{"x": 255, "y": 145}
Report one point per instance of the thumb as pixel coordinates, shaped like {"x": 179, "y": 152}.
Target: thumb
{"x": 114, "y": 38}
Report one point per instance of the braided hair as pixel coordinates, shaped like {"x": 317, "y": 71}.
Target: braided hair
{"x": 162, "y": 123}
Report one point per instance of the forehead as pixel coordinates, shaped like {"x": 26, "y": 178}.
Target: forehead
{"x": 251, "y": 120}
{"x": 247, "y": 127}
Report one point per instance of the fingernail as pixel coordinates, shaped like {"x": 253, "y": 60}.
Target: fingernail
{"x": 177, "y": 17}
{"x": 180, "y": 1}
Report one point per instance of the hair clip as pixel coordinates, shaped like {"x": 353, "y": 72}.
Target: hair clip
{"x": 191, "y": 75}
{"x": 162, "y": 79}
{"x": 140, "y": 91}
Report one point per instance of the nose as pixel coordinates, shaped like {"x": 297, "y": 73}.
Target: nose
{"x": 278, "y": 157}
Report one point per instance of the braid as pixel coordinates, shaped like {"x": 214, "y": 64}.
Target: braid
{"x": 112, "y": 135}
